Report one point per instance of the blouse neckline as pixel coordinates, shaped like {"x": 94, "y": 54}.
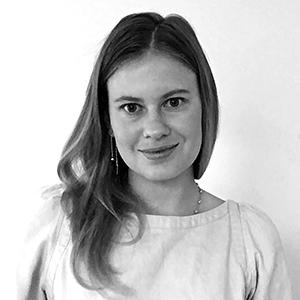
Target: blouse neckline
{"x": 161, "y": 221}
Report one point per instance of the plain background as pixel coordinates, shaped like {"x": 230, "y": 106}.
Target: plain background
{"x": 47, "y": 53}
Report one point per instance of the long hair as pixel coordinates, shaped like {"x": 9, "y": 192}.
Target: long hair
{"x": 98, "y": 201}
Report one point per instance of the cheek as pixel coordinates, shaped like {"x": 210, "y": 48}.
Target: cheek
{"x": 194, "y": 134}
{"x": 118, "y": 128}
{"x": 126, "y": 144}
{"x": 193, "y": 127}
{"x": 125, "y": 136}
{"x": 197, "y": 131}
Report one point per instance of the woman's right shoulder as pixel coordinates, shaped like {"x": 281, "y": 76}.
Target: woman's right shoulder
{"x": 48, "y": 213}
{"x": 41, "y": 237}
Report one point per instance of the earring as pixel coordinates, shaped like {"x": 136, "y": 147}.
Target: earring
{"x": 117, "y": 161}
{"x": 111, "y": 149}
{"x": 114, "y": 154}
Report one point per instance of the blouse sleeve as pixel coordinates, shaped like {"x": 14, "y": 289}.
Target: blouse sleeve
{"x": 37, "y": 248}
{"x": 266, "y": 260}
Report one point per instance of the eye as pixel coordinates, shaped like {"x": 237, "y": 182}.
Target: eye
{"x": 174, "y": 102}
{"x": 131, "y": 108}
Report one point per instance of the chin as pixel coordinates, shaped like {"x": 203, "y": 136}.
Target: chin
{"x": 159, "y": 174}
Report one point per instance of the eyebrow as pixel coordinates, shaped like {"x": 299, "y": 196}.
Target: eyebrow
{"x": 166, "y": 95}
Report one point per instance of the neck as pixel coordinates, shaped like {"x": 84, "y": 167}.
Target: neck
{"x": 174, "y": 197}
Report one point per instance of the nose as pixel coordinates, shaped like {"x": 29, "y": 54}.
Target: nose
{"x": 155, "y": 126}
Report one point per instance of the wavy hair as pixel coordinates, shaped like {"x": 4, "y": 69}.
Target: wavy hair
{"x": 96, "y": 200}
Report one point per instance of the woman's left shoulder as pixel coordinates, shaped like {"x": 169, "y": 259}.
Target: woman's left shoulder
{"x": 266, "y": 259}
{"x": 257, "y": 225}
{"x": 253, "y": 213}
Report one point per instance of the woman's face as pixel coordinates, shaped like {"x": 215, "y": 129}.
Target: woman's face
{"x": 155, "y": 114}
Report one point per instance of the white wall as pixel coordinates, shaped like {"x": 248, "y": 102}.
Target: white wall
{"x": 47, "y": 53}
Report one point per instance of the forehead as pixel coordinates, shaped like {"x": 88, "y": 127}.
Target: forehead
{"x": 151, "y": 74}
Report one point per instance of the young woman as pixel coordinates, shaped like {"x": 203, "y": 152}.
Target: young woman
{"x": 129, "y": 221}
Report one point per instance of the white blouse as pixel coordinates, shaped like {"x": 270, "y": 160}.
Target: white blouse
{"x": 231, "y": 252}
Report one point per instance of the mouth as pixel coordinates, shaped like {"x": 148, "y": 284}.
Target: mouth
{"x": 159, "y": 153}
{"x": 159, "y": 149}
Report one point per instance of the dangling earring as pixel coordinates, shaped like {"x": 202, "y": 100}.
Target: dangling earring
{"x": 117, "y": 161}
{"x": 111, "y": 149}
{"x": 114, "y": 154}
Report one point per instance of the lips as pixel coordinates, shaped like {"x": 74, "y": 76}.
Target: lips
{"x": 158, "y": 149}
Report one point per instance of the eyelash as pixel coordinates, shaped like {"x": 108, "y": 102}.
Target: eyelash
{"x": 182, "y": 100}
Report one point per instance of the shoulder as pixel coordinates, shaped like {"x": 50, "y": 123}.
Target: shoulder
{"x": 39, "y": 243}
{"x": 257, "y": 225}
{"x": 265, "y": 254}
{"x": 255, "y": 222}
{"x": 46, "y": 216}
{"x": 262, "y": 242}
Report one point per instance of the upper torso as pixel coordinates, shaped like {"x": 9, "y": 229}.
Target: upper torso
{"x": 217, "y": 254}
